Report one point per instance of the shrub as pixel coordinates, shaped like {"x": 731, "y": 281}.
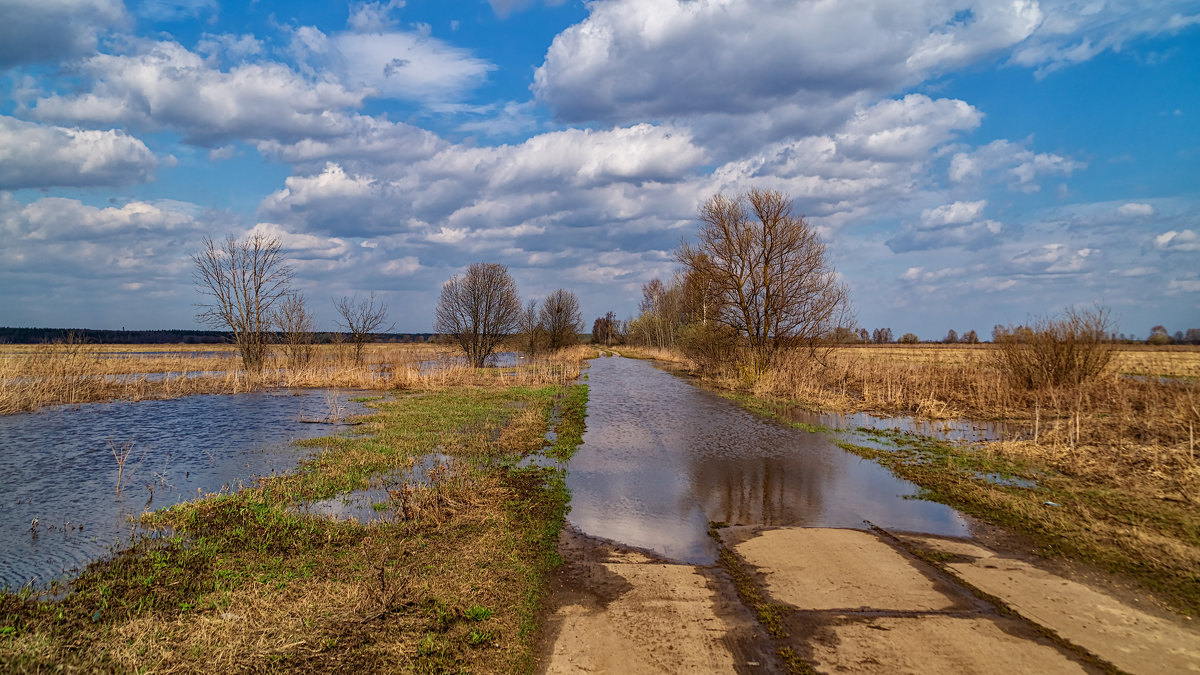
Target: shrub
{"x": 909, "y": 339}
{"x": 1067, "y": 351}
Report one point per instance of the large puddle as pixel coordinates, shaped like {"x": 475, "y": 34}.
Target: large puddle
{"x": 661, "y": 459}
{"x": 57, "y": 466}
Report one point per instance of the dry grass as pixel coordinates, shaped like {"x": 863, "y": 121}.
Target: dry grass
{"x": 40, "y": 375}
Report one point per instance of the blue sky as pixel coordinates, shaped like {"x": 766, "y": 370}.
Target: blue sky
{"x": 968, "y": 163}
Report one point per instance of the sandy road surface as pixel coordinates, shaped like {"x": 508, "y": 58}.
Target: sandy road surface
{"x": 855, "y": 601}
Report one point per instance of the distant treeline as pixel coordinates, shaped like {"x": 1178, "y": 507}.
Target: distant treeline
{"x": 30, "y": 336}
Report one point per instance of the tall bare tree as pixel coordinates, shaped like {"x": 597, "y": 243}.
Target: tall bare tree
{"x": 772, "y": 281}
{"x": 296, "y": 328}
{"x": 561, "y": 318}
{"x": 530, "y": 328}
{"x": 478, "y": 310}
{"x": 242, "y": 279}
{"x": 362, "y": 318}
{"x": 604, "y": 329}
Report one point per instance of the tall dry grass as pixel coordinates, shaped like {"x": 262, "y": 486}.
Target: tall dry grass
{"x": 32, "y": 377}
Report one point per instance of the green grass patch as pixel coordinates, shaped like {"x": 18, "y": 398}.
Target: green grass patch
{"x": 571, "y": 425}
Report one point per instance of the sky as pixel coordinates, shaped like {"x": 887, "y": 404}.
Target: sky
{"x": 968, "y": 163}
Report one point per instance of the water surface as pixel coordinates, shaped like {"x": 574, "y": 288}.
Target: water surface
{"x": 661, "y": 459}
{"x": 57, "y": 466}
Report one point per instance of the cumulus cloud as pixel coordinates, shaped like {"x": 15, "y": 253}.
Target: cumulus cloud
{"x": 35, "y": 155}
{"x": 1017, "y": 164}
{"x": 373, "y": 17}
{"x": 1185, "y": 240}
{"x": 907, "y": 128}
{"x": 33, "y": 31}
{"x": 639, "y": 59}
{"x": 164, "y": 85}
{"x": 1135, "y": 210}
{"x": 958, "y": 224}
{"x": 532, "y": 182}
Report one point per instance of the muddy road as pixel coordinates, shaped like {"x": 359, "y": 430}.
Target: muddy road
{"x": 822, "y": 561}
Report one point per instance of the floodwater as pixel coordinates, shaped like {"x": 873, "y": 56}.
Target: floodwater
{"x": 661, "y": 459}
{"x": 57, "y": 466}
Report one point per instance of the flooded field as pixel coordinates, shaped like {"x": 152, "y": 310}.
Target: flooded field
{"x": 662, "y": 458}
{"x": 59, "y": 467}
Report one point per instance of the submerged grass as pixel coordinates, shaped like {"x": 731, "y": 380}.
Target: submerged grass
{"x": 451, "y": 580}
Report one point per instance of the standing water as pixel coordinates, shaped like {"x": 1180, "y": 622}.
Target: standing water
{"x": 57, "y": 467}
{"x": 661, "y": 459}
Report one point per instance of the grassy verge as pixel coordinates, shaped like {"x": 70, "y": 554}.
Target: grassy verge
{"x": 1150, "y": 537}
{"x": 450, "y": 579}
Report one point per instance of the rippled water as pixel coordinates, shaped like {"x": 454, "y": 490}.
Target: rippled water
{"x": 661, "y": 458}
{"x": 57, "y": 466}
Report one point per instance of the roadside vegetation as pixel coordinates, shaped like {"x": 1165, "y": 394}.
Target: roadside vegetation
{"x": 446, "y": 576}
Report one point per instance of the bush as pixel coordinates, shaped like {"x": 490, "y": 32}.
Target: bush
{"x": 909, "y": 339}
{"x": 1063, "y": 352}
{"x": 712, "y": 347}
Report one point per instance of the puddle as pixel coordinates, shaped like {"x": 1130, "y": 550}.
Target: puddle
{"x": 57, "y": 466}
{"x": 496, "y": 360}
{"x": 661, "y": 458}
{"x": 1012, "y": 481}
{"x": 946, "y": 430}
{"x": 374, "y": 504}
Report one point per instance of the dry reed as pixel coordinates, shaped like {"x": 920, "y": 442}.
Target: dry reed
{"x": 32, "y": 377}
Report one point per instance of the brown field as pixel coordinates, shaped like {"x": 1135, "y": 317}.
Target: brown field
{"x": 32, "y": 376}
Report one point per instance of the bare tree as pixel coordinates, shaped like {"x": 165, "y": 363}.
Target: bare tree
{"x": 362, "y": 318}
{"x": 530, "y": 328}
{"x": 243, "y": 279}
{"x": 478, "y": 310}
{"x": 604, "y": 329}
{"x": 773, "y": 282}
{"x": 561, "y": 318}
{"x": 296, "y": 328}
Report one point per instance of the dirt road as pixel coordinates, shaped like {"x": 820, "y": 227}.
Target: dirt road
{"x": 836, "y": 600}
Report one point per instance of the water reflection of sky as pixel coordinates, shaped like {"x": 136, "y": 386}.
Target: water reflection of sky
{"x": 662, "y": 458}
{"x": 56, "y": 465}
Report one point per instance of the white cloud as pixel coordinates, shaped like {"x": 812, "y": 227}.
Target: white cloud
{"x": 952, "y": 214}
{"x": 407, "y": 65}
{"x": 639, "y": 59}
{"x": 1184, "y": 286}
{"x": 908, "y": 128}
{"x": 1133, "y": 209}
{"x": 1185, "y": 240}
{"x": 1074, "y": 31}
{"x": 33, "y": 31}
{"x": 305, "y": 244}
{"x": 373, "y": 17}
{"x": 167, "y": 86}
{"x": 1021, "y": 166}
{"x": 35, "y": 155}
